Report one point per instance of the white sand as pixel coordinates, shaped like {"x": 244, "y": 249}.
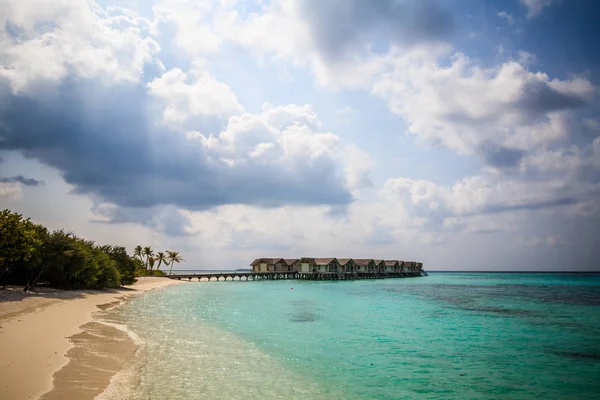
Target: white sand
{"x": 34, "y": 332}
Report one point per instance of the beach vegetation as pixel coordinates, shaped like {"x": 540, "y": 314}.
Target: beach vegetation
{"x": 149, "y": 254}
{"x": 172, "y": 258}
{"x": 31, "y": 255}
{"x": 161, "y": 258}
{"x": 18, "y": 242}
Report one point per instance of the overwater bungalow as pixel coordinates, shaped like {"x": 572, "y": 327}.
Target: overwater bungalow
{"x": 379, "y": 266}
{"x": 318, "y": 265}
{"x": 267, "y": 264}
{"x": 336, "y": 268}
{"x": 419, "y": 267}
{"x": 347, "y": 265}
{"x": 364, "y": 265}
{"x": 410, "y": 267}
{"x": 291, "y": 264}
{"x": 392, "y": 265}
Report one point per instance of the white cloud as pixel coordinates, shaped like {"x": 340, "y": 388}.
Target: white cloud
{"x": 10, "y": 191}
{"x": 508, "y": 17}
{"x": 544, "y": 180}
{"x": 535, "y": 7}
{"x": 71, "y": 36}
{"x": 464, "y": 105}
{"x": 358, "y": 165}
{"x": 285, "y": 135}
{"x": 194, "y": 31}
{"x": 202, "y": 96}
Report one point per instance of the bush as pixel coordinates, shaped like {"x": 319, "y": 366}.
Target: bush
{"x": 30, "y": 254}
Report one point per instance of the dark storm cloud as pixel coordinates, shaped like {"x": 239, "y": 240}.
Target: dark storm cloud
{"x": 540, "y": 98}
{"x": 166, "y": 219}
{"x": 105, "y": 142}
{"x": 339, "y": 25}
{"x": 499, "y": 156}
{"x": 22, "y": 180}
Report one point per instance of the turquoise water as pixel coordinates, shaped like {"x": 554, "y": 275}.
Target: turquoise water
{"x": 445, "y": 336}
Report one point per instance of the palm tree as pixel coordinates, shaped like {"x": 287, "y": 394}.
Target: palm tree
{"x": 137, "y": 252}
{"x": 149, "y": 254}
{"x": 151, "y": 262}
{"x": 173, "y": 257}
{"x": 161, "y": 258}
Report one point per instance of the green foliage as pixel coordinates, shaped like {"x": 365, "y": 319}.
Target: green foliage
{"x": 161, "y": 258}
{"x": 149, "y": 253}
{"x": 18, "y": 242}
{"x": 173, "y": 257}
{"x": 147, "y": 272}
{"x": 29, "y": 254}
{"x": 126, "y": 265}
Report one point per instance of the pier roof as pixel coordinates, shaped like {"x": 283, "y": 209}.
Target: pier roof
{"x": 362, "y": 261}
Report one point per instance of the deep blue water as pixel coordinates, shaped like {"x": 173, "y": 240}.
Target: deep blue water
{"x": 445, "y": 336}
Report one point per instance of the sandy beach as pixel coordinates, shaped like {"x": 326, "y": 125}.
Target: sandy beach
{"x": 49, "y": 340}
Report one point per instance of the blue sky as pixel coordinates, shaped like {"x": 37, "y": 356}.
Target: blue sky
{"x": 465, "y": 133}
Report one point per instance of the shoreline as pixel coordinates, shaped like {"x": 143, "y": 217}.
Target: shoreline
{"x": 39, "y": 332}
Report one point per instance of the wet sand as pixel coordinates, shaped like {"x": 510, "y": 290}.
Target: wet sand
{"x": 52, "y": 348}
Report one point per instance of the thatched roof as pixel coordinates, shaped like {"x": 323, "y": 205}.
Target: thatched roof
{"x": 390, "y": 263}
{"x": 270, "y": 261}
{"x": 344, "y": 261}
{"x": 290, "y": 261}
{"x": 378, "y": 262}
{"x": 362, "y": 261}
{"x": 324, "y": 261}
{"x": 308, "y": 260}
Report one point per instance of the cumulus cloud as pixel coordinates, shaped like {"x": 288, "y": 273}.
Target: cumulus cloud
{"x": 197, "y": 94}
{"x": 71, "y": 38}
{"x": 495, "y": 112}
{"x": 335, "y": 38}
{"x": 358, "y": 166}
{"x": 541, "y": 181}
{"x": 340, "y": 26}
{"x": 105, "y": 147}
{"x": 87, "y": 114}
{"x": 535, "y": 7}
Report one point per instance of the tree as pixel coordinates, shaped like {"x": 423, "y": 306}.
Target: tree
{"x": 108, "y": 274}
{"x": 149, "y": 254}
{"x": 17, "y": 242}
{"x": 161, "y": 258}
{"x": 137, "y": 252}
{"x": 36, "y": 265}
{"x": 173, "y": 257}
{"x": 151, "y": 261}
{"x": 126, "y": 265}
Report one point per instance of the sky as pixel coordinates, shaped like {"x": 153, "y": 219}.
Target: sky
{"x": 464, "y": 134}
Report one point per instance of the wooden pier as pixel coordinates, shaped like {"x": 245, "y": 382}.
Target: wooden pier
{"x": 314, "y": 276}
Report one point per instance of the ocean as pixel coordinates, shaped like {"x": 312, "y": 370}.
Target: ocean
{"x": 444, "y": 336}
